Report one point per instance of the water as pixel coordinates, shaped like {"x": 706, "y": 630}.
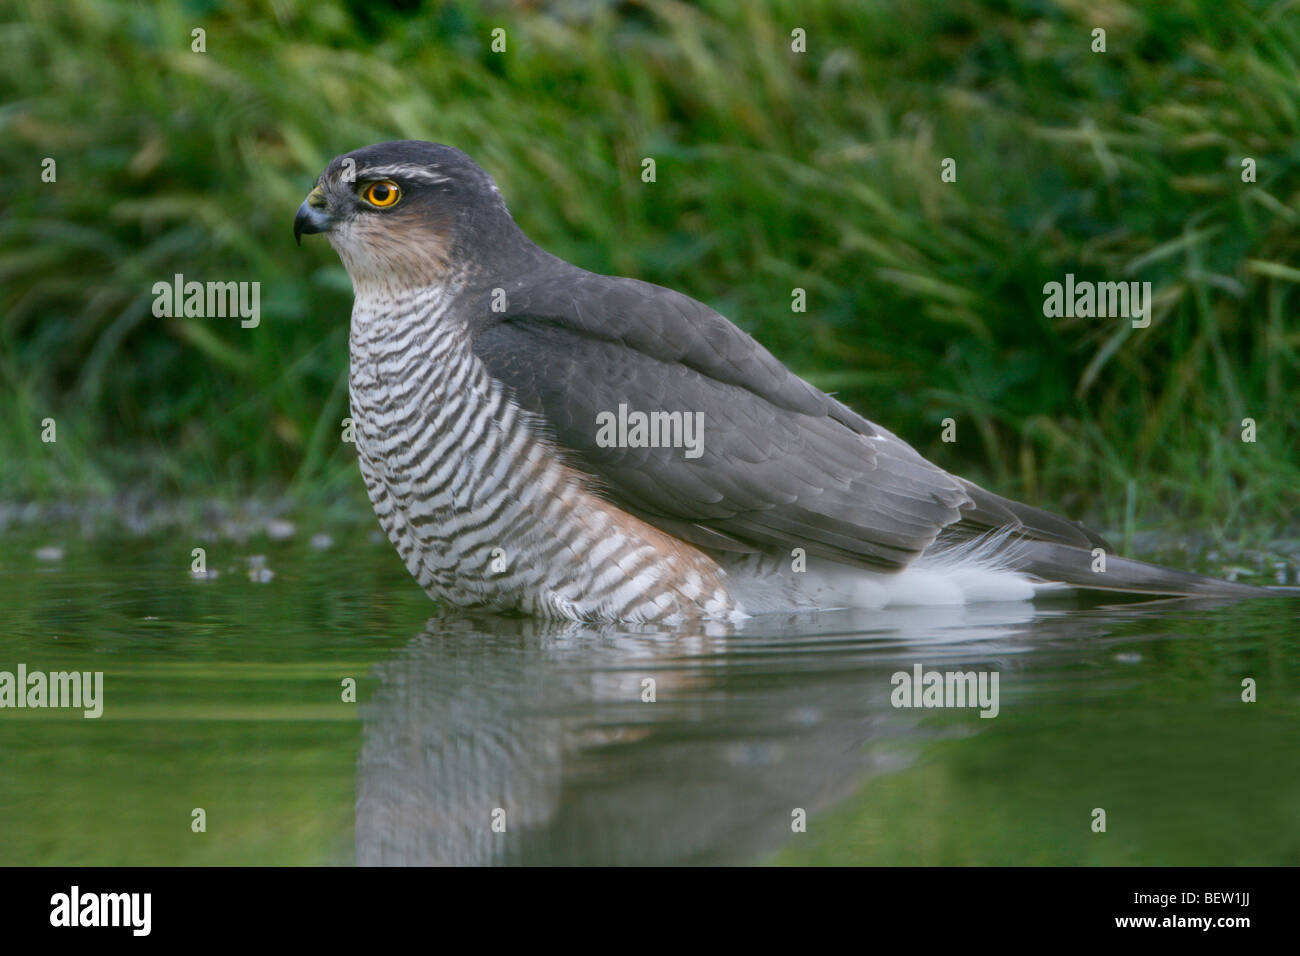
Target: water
{"x": 226, "y": 696}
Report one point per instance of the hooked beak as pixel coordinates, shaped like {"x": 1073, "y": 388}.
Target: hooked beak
{"x": 313, "y": 216}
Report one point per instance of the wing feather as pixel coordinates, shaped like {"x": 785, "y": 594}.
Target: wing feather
{"x": 782, "y": 465}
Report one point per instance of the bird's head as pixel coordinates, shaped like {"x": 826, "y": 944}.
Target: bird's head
{"x": 407, "y": 214}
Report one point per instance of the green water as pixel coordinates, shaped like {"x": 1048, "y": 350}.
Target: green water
{"x": 226, "y": 695}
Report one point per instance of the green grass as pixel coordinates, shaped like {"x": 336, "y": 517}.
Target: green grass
{"x": 775, "y": 170}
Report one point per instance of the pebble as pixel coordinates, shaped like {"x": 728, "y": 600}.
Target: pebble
{"x": 258, "y": 572}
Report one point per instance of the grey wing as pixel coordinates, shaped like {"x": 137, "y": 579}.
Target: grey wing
{"x": 781, "y": 464}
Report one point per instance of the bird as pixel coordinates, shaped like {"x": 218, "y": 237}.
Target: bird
{"x": 542, "y": 440}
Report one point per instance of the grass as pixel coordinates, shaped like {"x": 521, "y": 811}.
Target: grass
{"x": 775, "y": 170}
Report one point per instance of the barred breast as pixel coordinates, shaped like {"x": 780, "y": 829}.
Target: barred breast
{"x": 481, "y": 509}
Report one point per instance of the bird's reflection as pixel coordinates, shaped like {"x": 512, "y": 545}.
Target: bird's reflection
{"x": 548, "y": 730}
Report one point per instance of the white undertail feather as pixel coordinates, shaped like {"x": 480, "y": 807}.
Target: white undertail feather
{"x": 977, "y": 571}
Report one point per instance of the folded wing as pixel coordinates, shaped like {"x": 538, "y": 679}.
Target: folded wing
{"x": 781, "y": 464}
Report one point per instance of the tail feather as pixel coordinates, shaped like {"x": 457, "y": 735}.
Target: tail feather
{"x": 1081, "y": 568}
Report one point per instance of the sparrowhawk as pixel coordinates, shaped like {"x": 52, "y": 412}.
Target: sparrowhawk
{"x": 539, "y": 438}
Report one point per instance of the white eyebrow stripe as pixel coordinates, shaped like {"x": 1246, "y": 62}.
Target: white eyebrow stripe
{"x": 416, "y": 173}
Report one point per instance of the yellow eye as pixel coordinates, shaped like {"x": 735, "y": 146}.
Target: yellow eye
{"x": 382, "y": 194}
